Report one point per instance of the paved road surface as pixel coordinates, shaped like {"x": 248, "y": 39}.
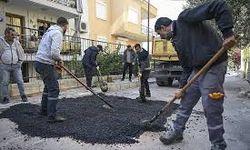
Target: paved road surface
{"x": 236, "y": 119}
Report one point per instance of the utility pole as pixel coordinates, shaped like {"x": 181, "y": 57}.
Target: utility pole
{"x": 148, "y": 24}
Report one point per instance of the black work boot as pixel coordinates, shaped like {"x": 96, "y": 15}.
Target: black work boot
{"x": 141, "y": 99}
{"x": 171, "y": 137}
{"x": 24, "y": 98}
{"x": 148, "y": 94}
{"x": 52, "y": 119}
{"x": 5, "y": 100}
{"x": 43, "y": 112}
{"x": 219, "y": 146}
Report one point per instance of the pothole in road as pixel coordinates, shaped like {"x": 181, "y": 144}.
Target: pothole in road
{"x": 88, "y": 121}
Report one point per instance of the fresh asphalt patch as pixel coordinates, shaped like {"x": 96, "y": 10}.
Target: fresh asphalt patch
{"x": 88, "y": 121}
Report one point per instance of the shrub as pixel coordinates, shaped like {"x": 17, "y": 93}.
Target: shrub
{"x": 110, "y": 61}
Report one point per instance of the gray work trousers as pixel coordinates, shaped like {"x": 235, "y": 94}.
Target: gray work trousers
{"x": 210, "y": 82}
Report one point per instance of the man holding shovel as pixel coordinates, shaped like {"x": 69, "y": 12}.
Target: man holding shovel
{"x": 89, "y": 62}
{"x": 196, "y": 42}
{"x": 144, "y": 71}
{"x": 47, "y": 58}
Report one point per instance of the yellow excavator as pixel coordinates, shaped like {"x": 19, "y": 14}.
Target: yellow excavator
{"x": 166, "y": 62}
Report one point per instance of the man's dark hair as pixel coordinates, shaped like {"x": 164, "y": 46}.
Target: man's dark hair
{"x": 128, "y": 46}
{"x": 162, "y": 21}
{"x": 99, "y": 47}
{"x": 61, "y": 21}
{"x": 8, "y": 29}
{"x": 137, "y": 45}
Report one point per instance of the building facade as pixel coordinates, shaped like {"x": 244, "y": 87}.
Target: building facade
{"x": 112, "y": 23}
{"x": 27, "y": 16}
{"x": 119, "y": 21}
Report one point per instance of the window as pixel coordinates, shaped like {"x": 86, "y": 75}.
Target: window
{"x": 101, "y": 9}
{"x": 133, "y": 15}
{"x": 25, "y": 71}
{"x": 123, "y": 42}
{"x": 43, "y": 26}
{"x": 49, "y": 23}
{"x": 15, "y": 22}
{"x": 102, "y": 40}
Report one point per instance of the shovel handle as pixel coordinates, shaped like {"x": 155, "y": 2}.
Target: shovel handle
{"x": 196, "y": 76}
{"x": 69, "y": 72}
{"x": 204, "y": 68}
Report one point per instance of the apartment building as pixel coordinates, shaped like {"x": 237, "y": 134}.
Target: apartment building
{"x": 119, "y": 21}
{"x": 113, "y": 23}
{"x": 26, "y": 16}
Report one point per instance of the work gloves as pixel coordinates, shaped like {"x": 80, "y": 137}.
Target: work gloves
{"x": 229, "y": 42}
{"x": 58, "y": 67}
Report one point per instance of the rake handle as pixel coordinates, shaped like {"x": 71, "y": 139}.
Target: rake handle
{"x": 69, "y": 72}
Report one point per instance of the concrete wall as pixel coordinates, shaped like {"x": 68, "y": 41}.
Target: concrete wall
{"x": 117, "y": 20}
{"x": 37, "y": 86}
{"x": 85, "y": 18}
{"x": 99, "y": 27}
{"x": 2, "y": 15}
{"x": 31, "y": 16}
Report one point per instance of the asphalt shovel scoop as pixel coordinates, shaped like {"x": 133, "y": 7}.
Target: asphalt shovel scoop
{"x": 203, "y": 70}
{"x": 103, "y": 85}
{"x": 109, "y": 106}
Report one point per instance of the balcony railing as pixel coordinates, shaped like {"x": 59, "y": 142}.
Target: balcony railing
{"x": 153, "y": 9}
{"x": 69, "y": 3}
{"x": 30, "y": 41}
{"x": 71, "y": 50}
{"x": 144, "y": 30}
{"x": 71, "y": 45}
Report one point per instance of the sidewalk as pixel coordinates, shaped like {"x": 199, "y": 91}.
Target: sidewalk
{"x": 116, "y": 85}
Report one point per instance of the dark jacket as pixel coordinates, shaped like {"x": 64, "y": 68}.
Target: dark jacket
{"x": 132, "y": 55}
{"x": 89, "y": 58}
{"x": 143, "y": 60}
{"x": 195, "y": 41}
{"x": 41, "y": 30}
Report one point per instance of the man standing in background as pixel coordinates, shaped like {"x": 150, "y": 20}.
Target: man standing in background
{"x": 144, "y": 71}
{"x": 42, "y": 29}
{"x": 129, "y": 58}
{"x": 11, "y": 58}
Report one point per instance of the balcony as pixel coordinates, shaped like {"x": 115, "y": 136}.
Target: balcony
{"x": 72, "y": 46}
{"x": 133, "y": 31}
{"x": 30, "y": 41}
{"x": 66, "y": 8}
{"x": 144, "y": 8}
{"x": 144, "y": 30}
{"x": 69, "y": 3}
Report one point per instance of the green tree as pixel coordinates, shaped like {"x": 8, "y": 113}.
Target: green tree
{"x": 241, "y": 17}
{"x": 246, "y": 58}
{"x": 75, "y": 66}
{"x": 110, "y": 61}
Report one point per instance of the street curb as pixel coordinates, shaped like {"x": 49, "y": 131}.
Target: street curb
{"x": 116, "y": 85}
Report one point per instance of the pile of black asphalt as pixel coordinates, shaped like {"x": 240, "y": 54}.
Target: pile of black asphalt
{"x": 88, "y": 121}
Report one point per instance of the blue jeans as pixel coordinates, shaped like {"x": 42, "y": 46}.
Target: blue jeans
{"x": 5, "y": 78}
{"x": 51, "y": 87}
{"x": 208, "y": 83}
